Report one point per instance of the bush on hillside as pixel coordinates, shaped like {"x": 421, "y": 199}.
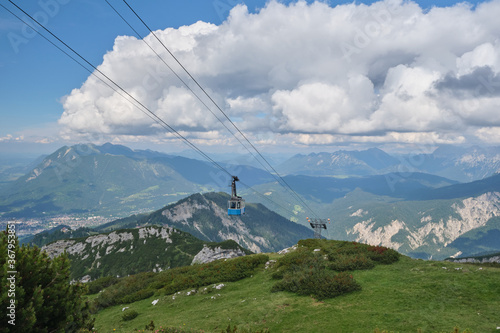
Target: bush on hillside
{"x": 383, "y": 255}
{"x": 294, "y": 261}
{"x": 354, "y": 262}
{"x": 319, "y": 283}
{"x": 129, "y": 315}
{"x": 214, "y": 272}
{"x": 318, "y": 267}
{"x": 125, "y": 286}
{"x": 140, "y": 286}
{"x": 45, "y": 301}
{"x": 97, "y": 285}
{"x": 335, "y": 249}
{"x": 137, "y": 296}
{"x": 228, "y": 329}
{"x": 455, "y": 330}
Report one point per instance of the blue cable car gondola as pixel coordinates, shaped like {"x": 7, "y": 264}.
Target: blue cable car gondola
{"x": 236, "y": 205}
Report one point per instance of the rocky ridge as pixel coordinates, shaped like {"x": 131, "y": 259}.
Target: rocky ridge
{"x": 208, "y": 254}
{"x": 432, "y": 228}
{"x": 107, "y": 242}
{"x": 130, "y": 251}
{"x": 232, "y": 227}
{"x": 472, "y": 260}
{"x": 205, "y": 217}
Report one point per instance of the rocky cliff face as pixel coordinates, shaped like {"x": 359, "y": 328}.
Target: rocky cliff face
{"x": 433, "y": 229}
{"x": 492, "y": 259}
{"x": 208, "y": 254}
{"x": 130, "y": 251}
{"x": 188, "y": 214}
{"x": 117, "y": 241}
{"x": 205, "y": 216}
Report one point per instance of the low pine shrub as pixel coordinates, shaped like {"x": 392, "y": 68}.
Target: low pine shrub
{"x": 137, "y": 296}
{"x": 150, "y": 326}
{"x": 129, "y": 315}
{"x": 125, "y": 286}
{"x": 319, "y": 283}
{"x": 143, "y": 285}
{"x": 382, "y": 254}
{"x": 333, "y": 249}
{"x": 348, "y": 248}
{"x": 218, "y": 271}
{"x": 313, "y": 243}
{"x": 293, "y": 261}
{"x": 455, "y": 330}
{"x": 344, "y": 262}
{"x": 235, "y": 329}
{"x": 101, "y": 283}
{"x": 323, "y": 274}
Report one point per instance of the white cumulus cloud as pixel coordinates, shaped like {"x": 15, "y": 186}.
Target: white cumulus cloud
{"x": 309, "y": 74}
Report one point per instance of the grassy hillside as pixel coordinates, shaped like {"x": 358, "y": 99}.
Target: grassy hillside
{"x": 479, "y": 240}
{"x": 402, "y": 297}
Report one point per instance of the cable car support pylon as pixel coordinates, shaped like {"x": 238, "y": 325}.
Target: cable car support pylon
{"x": 317, "y": 225}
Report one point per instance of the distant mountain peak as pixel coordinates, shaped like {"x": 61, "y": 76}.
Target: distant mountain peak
{"x": 205, "y": 217}
{"x": 341, "y": 163}
{"x": 109, "y": 148}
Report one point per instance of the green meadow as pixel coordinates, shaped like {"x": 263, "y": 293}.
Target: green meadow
{"x": 406, "y": 296}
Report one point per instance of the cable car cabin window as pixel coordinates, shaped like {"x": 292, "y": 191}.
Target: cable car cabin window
{"x": 236, "y": 207}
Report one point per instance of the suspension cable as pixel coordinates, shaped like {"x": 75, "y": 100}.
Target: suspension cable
{"x": 123, "y": 93}
{"x": 286, "y": 186}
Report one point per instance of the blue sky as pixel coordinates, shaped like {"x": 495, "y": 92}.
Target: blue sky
{"x": 35, "y": 76}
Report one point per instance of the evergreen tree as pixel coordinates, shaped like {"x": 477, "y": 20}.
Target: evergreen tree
{"x": 44, "y": 299}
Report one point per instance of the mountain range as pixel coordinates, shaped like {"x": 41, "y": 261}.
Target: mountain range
{"x": 172, "y": 236}
{"x": 421, "y": 214}
{"x": 456, "y": 163}
{"x": 13, "y": 167}
{"x": 205, "y": 217}
{"x": 406, "y": 214}
{"x": 116, "y": 180}
{"x": 427, "y": 229}
{"x": 112, "y": 180}
{"x": 341, "y": 163}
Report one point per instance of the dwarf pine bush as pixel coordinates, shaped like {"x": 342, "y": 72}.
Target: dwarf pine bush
{"x": 129, "y": 315}
{"x": 319, "y": 267}
{"x": 143, "y": 285}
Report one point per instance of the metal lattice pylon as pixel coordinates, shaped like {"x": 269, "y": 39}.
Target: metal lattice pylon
{"x": 318, "y": 225}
